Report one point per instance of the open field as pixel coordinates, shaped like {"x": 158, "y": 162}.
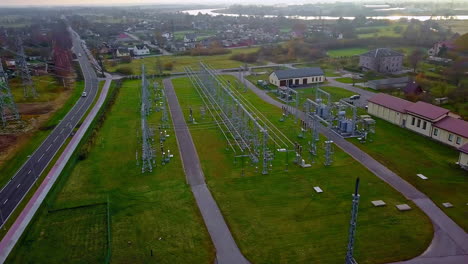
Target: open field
{"x": 179, "y": 62}
{"x": 407, "y": 154}
{"x": 383, "y": 31}
{"x": 47, "y": 87}
{"x": 459, "y": 26}
{"x": 151, "y": 212}
{"x": 13, "y": 156}
{"x": 336, "y": 53}
{"x": 278, "y": 218}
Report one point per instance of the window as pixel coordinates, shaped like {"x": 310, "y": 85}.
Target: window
{"x": 458, "y": 140}
{"x": 450, "y": 137}
{"x": 419, "y": 123}
{"x": 412, "y": 121}
{"x": 424, "y": 125}
{"x": 436, "y": 131}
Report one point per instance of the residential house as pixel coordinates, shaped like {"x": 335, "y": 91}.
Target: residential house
{"x": 122, "y": 52}
{"x": 190, "y": 38}
{"x": 440, "y": 46}
{"x": 381, "y": 60}
{"x": 297, "y": 77}
{"x": 140, "y": 50}
{"x": 413, "y": 88}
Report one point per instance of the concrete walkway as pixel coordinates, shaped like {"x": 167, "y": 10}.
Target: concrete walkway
{"x": 227, "y": 251}
{"x": 20, "y": 224}
{"x": 450, "y": 242}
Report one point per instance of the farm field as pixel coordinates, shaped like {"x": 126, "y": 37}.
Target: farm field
{"x": 151, "y": 217}
{"x": 336, "y": 53}
{"x": 413, "y": 154}
{"x": 278, "y": 218}
{"x": 179, "y": 62}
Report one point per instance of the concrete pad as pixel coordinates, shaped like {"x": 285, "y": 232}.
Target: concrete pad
{"x": 403, "y": 207}
{"x": 378, "y": 203}
{"x": 447, "y": 205}
{"x": 318, "y": 189}
{"x": 422, "y": 176}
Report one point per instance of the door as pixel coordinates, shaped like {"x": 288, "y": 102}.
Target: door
{"x": 304, "y": 81}
{"x": 296, "y": 81}
{"x": 290, "y": 82}
{"x": 283, "y": 83}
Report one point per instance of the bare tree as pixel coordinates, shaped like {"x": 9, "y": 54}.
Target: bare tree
{"x": 415, "y": 57}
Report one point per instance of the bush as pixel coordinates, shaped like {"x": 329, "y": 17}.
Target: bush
{"x": 125, "y": 70}
{"x": 168, "y": 66}
{"x": 126, "y": 59}
{"x": 245, "y": 57}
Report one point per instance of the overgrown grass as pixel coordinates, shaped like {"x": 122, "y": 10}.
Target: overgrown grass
{"x": 278, "y": 218}
{"x": 407, "y": 154}
{"x": 154, "y": 217}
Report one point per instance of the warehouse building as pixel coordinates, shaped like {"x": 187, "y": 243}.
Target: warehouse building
{"x": 297, "y": 77}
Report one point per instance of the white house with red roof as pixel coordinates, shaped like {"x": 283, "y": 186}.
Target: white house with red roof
{"x": 429, "y": 120}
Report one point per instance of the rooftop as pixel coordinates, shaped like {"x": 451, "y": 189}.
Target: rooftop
{"x": 299, "y": 73}
{"x": 454, "y": 125}
{"x": 392, "y": 102}
{"x": 381, "y": 52}
{"x": 427, "y": 110}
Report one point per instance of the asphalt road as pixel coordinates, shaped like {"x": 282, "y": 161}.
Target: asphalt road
{"x": 227, "y": 251}
{"x": 15, "y": 190}
{"x": 450, "y": 242}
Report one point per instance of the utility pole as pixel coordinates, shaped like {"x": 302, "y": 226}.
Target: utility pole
{"x": 29, "y": 90}
{"x": 8, "y": 108}
{"x": 352, "y": 226}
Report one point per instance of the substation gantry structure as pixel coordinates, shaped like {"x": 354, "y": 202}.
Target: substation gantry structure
{"x": 244, "y": 127}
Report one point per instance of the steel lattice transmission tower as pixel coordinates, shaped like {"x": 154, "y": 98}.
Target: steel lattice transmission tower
{"x": 352, "y": 226}
{"x": 8, "y": 110}
{"x": 29, "y": 90}
{"x": 148, "y": 156}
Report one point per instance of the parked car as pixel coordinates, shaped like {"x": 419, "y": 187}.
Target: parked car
{"x": 355, "y": 97}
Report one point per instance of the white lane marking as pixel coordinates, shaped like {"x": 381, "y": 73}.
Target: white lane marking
{"x": 55, "y": 138}
{"x": 61, "y": 131}
{"x": 40, "y": 158}
{"x": 5, "y": 201}
{"x": 49, "y": 147}
{"x": 18, "y": 186}
{"x": 29, "y": 172}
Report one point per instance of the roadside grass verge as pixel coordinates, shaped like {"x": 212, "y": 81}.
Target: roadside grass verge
{"x": 279, "y": 218}
{"x": 31, "y": 142}
{"x": 154, "y": 217}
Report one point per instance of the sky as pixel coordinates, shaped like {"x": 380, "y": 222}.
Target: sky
{"x": 140, "y": 2}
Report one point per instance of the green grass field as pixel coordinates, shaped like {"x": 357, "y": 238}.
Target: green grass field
{"x": 336, "y": 53}
{"x": 47, "y": 88}
{"x": 149, "y": 212}
{"x": 179, "y": 62}
{"x": 407, "y": 154}
{"x": 9, "y": 166}
{"x": 383, "y": 31}
{"x": 278, "y": 218}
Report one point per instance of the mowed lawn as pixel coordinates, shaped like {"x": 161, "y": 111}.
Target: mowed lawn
{"x": 179, "y": 62}
{"x": 279, "y": 218}
{"x": 154, "y": 218}
{"x": 407, "y": 154}
{"x": 337, "y": 53}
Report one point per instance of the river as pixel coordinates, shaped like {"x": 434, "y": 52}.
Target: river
{"x": 421, "y": 18}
